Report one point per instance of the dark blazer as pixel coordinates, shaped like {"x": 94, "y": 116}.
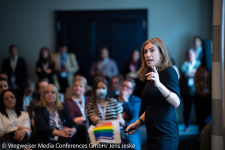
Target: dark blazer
{"x": 20, "y": 71}
{"x": 132, "y": 109}
{"x": 73, "y": 107}
{"x": 43, "y": 74}
{"x": 41, "y": 119}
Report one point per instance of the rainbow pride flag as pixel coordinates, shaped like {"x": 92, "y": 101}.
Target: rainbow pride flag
{"x": 104, "y": 131}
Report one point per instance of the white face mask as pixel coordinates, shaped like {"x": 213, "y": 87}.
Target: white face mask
{"x": 101, "y": 93}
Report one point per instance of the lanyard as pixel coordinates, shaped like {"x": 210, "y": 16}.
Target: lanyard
{"x": 55, "y": 138}
{"x": 56, "y": 119}
{"x": 13, "y": 123}
{"x": 82, "y": 108}
{"x": 103, "y": 112}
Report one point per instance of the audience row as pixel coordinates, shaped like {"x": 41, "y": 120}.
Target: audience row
{"x": 49, "y": 120}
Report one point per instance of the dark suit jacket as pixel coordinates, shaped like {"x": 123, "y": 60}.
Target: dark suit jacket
{"x": 44, "y": 132}
{"x": 20, "y": 71}
{"x": 132, "y": 109}
{"x": 73, "y": 107}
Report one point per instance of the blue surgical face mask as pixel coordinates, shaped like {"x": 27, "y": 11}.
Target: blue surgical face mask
{"x": 101, "y": 93}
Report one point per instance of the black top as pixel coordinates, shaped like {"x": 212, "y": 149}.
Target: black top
{"x": 20, "y": 70}
{"x": 43, "y": 74}
{"x": 168, "y": 77}
{"x": 160, "y": 116}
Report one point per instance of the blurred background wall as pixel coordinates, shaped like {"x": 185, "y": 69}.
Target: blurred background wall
{"x": 30, "y": 24}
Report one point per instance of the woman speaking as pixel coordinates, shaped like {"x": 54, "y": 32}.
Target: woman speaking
{"x": 161, "y": 95}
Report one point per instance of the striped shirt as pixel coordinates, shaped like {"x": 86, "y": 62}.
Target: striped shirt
{"x": 113, "y": 108}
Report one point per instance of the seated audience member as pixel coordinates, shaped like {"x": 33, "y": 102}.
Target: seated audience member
{"x": 3, "y": 84}
{"x": 28, "y": 91}
{"x": 105, "y": 67}
{"x": 77, "y": 105}
{"x": 45, "y": 67}
{"x": 187, "y": 89}
{"x": 66, "y": 66}
{"x": 16, "y": 68}
{"x": 116, "y": 82}
{"x": 102, "y": 109}
{"x": 14, "y": 123}
{"x": 100, "y": 102}
{"x": 3, "y": 75}
{"x": 131, "y": 108}
{"x": 70, "y": 90}
{"x": 42, "y": 83}
{"x": 131, "y": 67}
{"x": 53, "y": 121}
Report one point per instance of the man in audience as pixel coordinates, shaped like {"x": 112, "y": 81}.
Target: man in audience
{"x": 116, "y": 82}
{"x": 131, "y": 108}
{"x": 39, "y": 87}
{"x": 66, "y": 66}
{"x": 15, "y": 67}
{"x": 28, "y": 94}
{"x": 105, "y": 67}
{"x": 3, "y": 85}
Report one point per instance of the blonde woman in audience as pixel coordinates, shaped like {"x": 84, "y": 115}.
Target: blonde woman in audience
{"x": 14, "y": 123}
{"x": 77, "y": 105}
{"x": 53, "y": 121}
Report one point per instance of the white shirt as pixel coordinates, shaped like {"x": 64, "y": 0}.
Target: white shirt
{"x": 82, "y": 108}
{"x": 13, "y": 63}
{"x": 10, "y": 124}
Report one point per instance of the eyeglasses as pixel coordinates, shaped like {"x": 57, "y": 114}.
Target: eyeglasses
{"x": 126, "y": 86}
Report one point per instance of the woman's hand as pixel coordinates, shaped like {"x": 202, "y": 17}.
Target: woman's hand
{"x": 134, "y": 126}
{"x": 62, "y": 133}
{"x": 79, "y": 120}
{"x": 123, "y": 96}
{"x": 72, "y": 131}
{"x": 66, "y": 132}
{"x": 21, "y": 128}
{"x": 154, "y": 76}
{"x": 19, "y": 135}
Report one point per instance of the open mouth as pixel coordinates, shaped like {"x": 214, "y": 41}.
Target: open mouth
{"x": 149, "y": 60}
